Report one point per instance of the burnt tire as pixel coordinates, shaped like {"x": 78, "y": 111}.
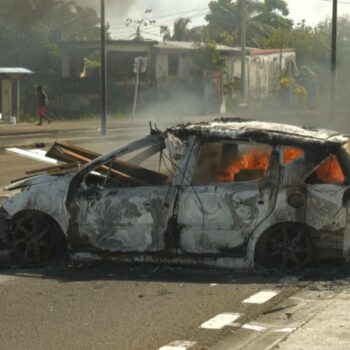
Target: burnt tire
{"x": 285, "y": 247}
{"x": 35, "y": 238}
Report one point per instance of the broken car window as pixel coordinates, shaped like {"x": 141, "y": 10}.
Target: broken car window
{"x": 146, "y": 166}
{"x": 290, "y": 154}
{"x": 231, "y": 162}
{"x": 329, "y": 172}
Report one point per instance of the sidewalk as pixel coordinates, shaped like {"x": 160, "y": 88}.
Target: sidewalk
{"x": 93, "y": 124}
{"x": 78, "y": 131}
{"x": 315, "y": 318}
{"x": 329, "y": 329}
{"x": 58, "y": 126}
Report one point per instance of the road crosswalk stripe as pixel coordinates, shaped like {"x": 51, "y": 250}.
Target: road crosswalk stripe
{"x": 286, "y": 330}
{"x": 260, "y": 297}
{"x": 221, "y": 320}
{"x": 179, "y": 345}
{"x": 254, "y": 327}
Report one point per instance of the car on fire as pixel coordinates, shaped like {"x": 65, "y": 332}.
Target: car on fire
{"x": 232, "y": 192}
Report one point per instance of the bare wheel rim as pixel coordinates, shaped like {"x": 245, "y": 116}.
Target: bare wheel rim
{"x": 289, "y": 248}
{"x": 33, "y": 238}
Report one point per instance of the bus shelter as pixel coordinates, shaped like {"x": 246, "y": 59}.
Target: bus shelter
{"x": 10, "y": 86}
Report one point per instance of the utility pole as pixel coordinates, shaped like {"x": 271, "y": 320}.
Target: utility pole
{"x": 103, "y": 72}
{"x": 333, "y": 89}
{"x": 243, "y": 50}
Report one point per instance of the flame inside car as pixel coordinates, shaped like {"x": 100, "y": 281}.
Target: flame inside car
{"x": 291, "y": 154}
{"x": 330, "y": 171}
{"x": 255, "y": 160}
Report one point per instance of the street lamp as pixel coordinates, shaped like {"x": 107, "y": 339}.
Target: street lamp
{"x": 103, "y": 72}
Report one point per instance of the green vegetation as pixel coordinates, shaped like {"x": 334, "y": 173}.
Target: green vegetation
{"x": 31, "y": 32}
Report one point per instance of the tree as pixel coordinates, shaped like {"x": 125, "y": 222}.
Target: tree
{"x": 31, "y": 30}
{"x": 224, "y": 20}
{"x": 181, "y": 32}
{"x": 312, "y": 44}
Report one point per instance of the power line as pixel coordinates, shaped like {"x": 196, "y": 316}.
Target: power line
{"x": 126, "y": 30}
{"x": 198, "y": 9}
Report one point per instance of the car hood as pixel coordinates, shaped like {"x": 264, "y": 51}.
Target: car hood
{"x": 34, "y": 180}
{"x": 46, "y": 194}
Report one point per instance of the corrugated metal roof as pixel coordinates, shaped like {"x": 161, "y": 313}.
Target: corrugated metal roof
{"x": 15, "y": 70}
{"x": 190, "y": 45}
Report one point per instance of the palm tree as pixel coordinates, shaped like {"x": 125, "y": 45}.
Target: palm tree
{"x": 225, "y": 20}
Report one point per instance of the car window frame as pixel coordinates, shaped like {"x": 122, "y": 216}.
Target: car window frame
{"x": 268, "y": 177}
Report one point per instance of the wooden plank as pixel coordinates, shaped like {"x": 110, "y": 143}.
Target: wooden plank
{"x": 104, "y": 168}
{"x": 143, "y": 175}
{"x": 68, "y": 166}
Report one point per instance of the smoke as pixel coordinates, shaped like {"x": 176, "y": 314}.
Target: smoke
{"x": 114, "y": 8}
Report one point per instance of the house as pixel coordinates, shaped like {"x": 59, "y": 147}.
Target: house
{"x": 171, "y": 67}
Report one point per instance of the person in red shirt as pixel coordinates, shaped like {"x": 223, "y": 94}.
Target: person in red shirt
{"x": 43, "y": 102}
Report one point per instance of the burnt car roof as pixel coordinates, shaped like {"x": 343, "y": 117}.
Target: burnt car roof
{"x": 258, "y": 131}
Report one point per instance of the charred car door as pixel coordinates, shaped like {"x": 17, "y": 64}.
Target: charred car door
{"x": 227, "y": 191}
{"x": 117, "y": 206}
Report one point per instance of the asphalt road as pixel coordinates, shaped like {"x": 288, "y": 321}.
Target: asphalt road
{"x": 14, "y": 167}
{"x": 114, "y": 307}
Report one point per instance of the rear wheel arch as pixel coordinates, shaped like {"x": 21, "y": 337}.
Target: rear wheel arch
{"x": 258, "y": 248}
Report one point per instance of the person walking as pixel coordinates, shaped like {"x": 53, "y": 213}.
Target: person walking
{"x": 43, "y": 102}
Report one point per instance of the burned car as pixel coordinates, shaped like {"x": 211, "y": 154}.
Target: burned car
{"x": 231, "y": 192}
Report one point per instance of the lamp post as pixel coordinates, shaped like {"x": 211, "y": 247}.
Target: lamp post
{"x": 334, "y": 56}
{"x": 103, "y": 72}
{"x": 243, "y": 50}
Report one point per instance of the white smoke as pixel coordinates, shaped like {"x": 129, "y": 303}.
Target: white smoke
{"x": 114, "y": 8}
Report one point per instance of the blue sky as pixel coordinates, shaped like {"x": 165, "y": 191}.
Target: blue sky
{"x": 165, "y": 11}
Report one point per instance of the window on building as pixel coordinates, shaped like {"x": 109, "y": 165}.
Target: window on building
{"x": 173, "y": 64}
{"x": 231, "y": 162}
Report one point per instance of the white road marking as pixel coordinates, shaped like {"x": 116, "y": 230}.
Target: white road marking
{"x": 286, "y": 329}
{"x": 179, "y": 345}
{"x": 254, "y": 327}
{"x": 260, "y": 297}
{"x": 221, "y": 320}
{"x": 213, "y": 284}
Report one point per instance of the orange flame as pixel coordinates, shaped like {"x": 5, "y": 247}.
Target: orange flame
{"x": 254, "y": 160}
{"x": 291, "y": 154}
{"x": 330, "y": 171}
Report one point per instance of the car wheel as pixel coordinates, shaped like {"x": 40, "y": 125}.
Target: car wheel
{"x": 287, "y": 248}
{"x": 35, "y": 238}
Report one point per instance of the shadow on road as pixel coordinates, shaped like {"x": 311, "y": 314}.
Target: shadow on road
{"x": 331, "y": 274}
